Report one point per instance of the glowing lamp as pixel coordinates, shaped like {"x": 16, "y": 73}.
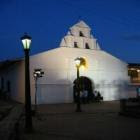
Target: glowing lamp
{"x": 77, "y": 62}
{"x": 80, "y": 62}
{"x": 26, "y": 41}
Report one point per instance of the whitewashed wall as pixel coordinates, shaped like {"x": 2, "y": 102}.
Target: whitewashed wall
{"x": 108, "y": 74}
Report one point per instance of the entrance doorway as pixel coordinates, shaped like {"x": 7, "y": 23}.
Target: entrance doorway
{"x": 85, "y": 84}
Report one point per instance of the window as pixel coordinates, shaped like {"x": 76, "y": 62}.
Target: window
{"x": 81, "y": 34}
{"x": 87, "y": 46}
{"x": 75, "y": 45}
{"x": 133, "y": 72}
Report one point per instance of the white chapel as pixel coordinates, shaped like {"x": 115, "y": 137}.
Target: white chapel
{"x": 104, "y": 72}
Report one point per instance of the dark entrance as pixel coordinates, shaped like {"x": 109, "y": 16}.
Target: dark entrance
{"x": 85, "y": 85}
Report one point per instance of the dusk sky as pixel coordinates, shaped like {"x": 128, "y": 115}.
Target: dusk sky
{"x": 115, "y": 23}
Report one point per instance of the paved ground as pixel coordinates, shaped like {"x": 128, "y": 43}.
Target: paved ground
{"x": 5, "y": 108}
{"x": 10, "y": 113}
{"x": 98, "y": 121}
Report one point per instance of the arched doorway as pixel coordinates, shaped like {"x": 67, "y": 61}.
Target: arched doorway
{"x": 85, "y": 85}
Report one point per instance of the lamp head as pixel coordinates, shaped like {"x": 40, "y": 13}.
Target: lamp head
{"x": 77, "y": 62}
{"x": 80, "y": 62}
{"x": 38, "y": 73}
{"x": 26, "y": 41}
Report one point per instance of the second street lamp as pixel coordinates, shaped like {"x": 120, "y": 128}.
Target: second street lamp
{"x": 79, "y": 62}
{"x": 26, "y": 41}
{"x": 38, "y": 73}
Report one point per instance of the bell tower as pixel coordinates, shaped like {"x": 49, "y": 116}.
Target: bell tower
{"x": 79, "y": 36}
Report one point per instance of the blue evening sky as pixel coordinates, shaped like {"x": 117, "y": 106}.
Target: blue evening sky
{"x": 115, "y": 23}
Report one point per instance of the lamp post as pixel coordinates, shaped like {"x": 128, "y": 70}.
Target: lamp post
{"x": 79, "y": 62}
{"x": 26, "y": 41}
{"x": 37, "y": 74}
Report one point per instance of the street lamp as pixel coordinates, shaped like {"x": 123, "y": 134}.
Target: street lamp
{"x": 37, "y": 74}
{"x": 26, "y": 41}
{"x": 79, "y": 62}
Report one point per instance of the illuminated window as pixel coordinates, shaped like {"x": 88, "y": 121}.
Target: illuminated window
{"x": 87, "y": 46}
{"x": 75, "y": 45}
{"x": 81, "y": 34}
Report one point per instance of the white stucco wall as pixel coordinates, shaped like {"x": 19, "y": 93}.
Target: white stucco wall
{"x": 108, "y": 74}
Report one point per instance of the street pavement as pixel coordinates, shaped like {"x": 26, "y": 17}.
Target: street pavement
{"x": 97, "y": 121}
